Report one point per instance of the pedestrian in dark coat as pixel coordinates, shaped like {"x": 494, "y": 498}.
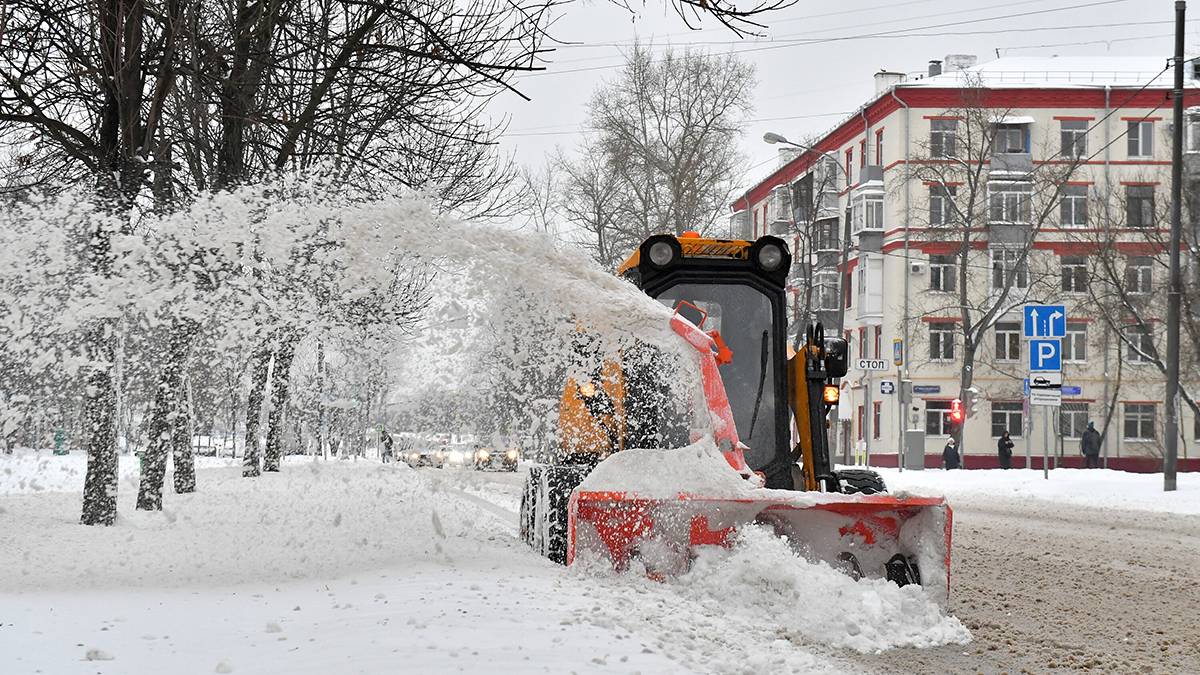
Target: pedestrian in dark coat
{"x": 1004, "y": 448}
{"x": 1089, "y": 445}
{"x": 950, "y": 458}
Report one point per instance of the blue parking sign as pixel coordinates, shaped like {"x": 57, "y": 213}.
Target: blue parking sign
{"x": 1045, "y": 321}
{"x": 1045, "y": 355}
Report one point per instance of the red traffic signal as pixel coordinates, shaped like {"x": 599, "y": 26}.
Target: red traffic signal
{"x": 956, "y": 410}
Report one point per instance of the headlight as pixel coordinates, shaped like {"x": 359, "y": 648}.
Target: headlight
{"x": 661, "y": 253}
{"x": 511, "y": 454}
{"x": 483, "y": 455}
{"x": 587, "y": 389}
{"x": 770, "y": 257}
{"x": 456, "y": 456}
{"x": 831, "y": 393}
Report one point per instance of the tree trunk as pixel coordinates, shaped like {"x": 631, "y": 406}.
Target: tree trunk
{"x": 320, "y": 399}
{"x": 260, "y": 368}
{"x": 279, "y": 400}
{"x": 182, "y": 456}
{"x": 100, "y": 483}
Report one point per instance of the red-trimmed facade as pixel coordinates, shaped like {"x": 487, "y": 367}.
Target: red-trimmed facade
{"x": 895, "y": 276}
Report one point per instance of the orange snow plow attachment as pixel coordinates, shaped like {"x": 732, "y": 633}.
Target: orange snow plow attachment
{"x": 904, "y": 539}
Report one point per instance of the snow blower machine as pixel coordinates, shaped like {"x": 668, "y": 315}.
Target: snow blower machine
{"x": 764, "y": 459}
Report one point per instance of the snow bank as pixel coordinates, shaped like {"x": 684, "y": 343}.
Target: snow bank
{"x": 1093, "y": 488}
{"x": 314, "y": 519}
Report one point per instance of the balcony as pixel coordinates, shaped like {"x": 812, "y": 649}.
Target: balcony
{"x": 1011, "y": 165}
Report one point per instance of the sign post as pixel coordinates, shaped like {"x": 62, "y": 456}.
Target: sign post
{"x": 1045, "y": 326}
{"x": 870, "y": 367}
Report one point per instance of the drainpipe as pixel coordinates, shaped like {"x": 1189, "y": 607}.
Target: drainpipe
{"x": 906, "y": 273}
{"x": 1107, "y": 205}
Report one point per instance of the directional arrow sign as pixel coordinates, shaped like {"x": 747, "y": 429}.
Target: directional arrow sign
{"x": 1045, "y": 321}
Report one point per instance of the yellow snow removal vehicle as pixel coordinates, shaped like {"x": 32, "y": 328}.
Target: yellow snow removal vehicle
{"x": 767, "y": 403}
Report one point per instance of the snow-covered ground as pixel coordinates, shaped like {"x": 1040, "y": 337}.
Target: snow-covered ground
{"x": 346, "y": 566}
{"x": 1096, "y": 488}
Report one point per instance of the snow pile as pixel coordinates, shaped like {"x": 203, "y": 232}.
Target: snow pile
{"x": 1092, "y": 488}
{"x": 313, "y": 519}
{"x": 762, "y": 579}
{"x": 662, "y": 474}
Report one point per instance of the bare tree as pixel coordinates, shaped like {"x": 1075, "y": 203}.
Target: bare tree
{"x": 987, "y": 204}
{"x": 668, "y": 126}
{"x": 590, "y": 198}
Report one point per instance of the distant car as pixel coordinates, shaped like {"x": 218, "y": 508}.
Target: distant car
{"x": 435, "y": 458}
{"x": 491, "y": 459}
{"x": 458, "y": 454}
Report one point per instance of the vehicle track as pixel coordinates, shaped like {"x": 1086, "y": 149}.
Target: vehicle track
{"x": 1047, "y": 588}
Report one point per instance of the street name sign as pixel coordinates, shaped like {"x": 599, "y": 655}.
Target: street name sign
{"x": 1045, "y": 321}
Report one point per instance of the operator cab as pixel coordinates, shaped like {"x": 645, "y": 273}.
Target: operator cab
{"x": 734, "y": 289}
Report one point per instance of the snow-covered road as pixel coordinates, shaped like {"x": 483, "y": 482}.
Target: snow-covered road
{"x": 356, "y": 567}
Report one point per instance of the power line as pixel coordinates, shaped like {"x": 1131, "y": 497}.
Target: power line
{"x": 895, "y": 33}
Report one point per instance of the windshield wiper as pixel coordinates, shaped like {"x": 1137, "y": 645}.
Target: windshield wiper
{"x": 762, "y": 378}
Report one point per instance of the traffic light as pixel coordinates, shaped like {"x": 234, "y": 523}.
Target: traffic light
{"x": 956, "y": 411}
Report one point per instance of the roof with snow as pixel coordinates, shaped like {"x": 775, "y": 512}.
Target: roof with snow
{"x": 1060, "y": 71}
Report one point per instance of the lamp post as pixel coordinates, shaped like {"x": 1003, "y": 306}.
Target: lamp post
{"x": 772, "y": 138}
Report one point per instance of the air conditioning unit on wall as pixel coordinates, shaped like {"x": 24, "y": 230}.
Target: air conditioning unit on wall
{"x": 917, "y": 267}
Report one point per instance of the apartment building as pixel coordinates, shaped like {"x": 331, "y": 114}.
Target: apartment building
{"x": 1012, "y": 181}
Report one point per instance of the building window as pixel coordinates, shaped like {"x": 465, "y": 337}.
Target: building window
{"x": 879, "y": 148}
{"x": 868, "y": 213}
{"x": 848, "y": 282}
{"x": 943, "y": 137}
{"x": 937, "y": 418}
{"x": 1073, "y": 211}
{"x": 1139, "y": 205}
{"x": 878, "y": 340}
{"x": 1008, "y": 341}
{"x": 862, "y": 153}
{"x": 1192, "y": 132}
{"x": 941, "y": 205}
{"x": 1009, "y": 202}
{"x": 876, "y": 418}
{"x": 826, "y": 290}
{"x": 862, "y": 342}
{"x": 1139, "y": 421}
{"x": 1075, "y": 342}
{"x": 1140, "y": 139}
{"x": 1139, "y": 272}
{"x": 827, "y": 235}
{"x": 943, "y": 273}
{"x": 1010, "y": 138}
{"x": 1073, "y": 419}
{"x": 849, "y": 167}
{"x": 861, "y": 422}
{"x": 1074, "y": 274}
{"x": 1008, "y": 264}
{"x": 941, "y": 341}
{"x": 1006, "y": 416}
{"x": 1139, "y": 344}
{"x": 1074, "y": 138}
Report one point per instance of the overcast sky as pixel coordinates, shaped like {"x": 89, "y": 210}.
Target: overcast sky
{"x": 804, "y": 87}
